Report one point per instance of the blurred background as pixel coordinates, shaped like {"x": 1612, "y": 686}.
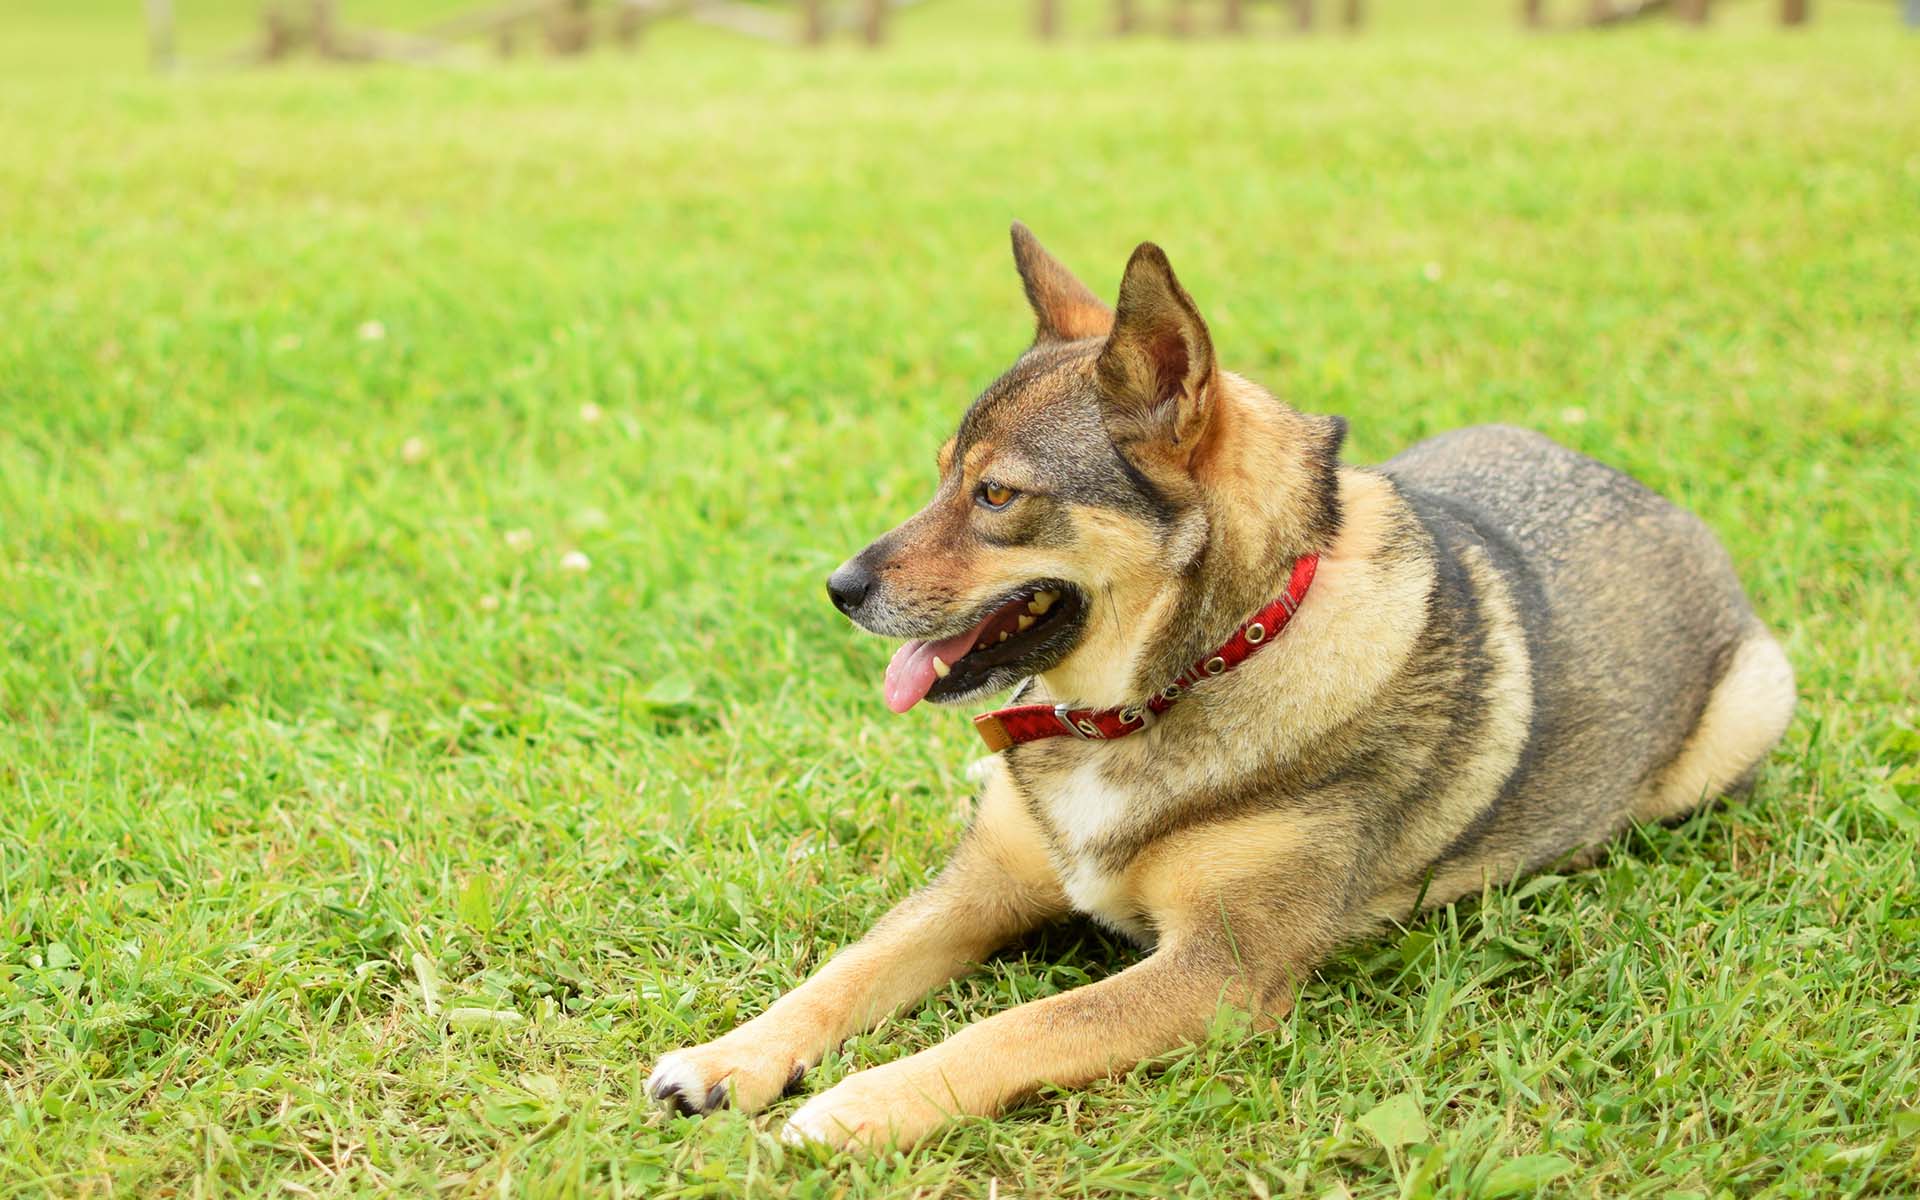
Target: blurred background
{"x": 237, "y": 32}
{"x": 426, "y": 427}
{"x": 278, "y": 311}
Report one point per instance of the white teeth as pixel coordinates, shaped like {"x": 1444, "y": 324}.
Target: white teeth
{"x": 940, "y": 668}
{"x": 1026, "y": 623}
{"x": 1041, "y": 602}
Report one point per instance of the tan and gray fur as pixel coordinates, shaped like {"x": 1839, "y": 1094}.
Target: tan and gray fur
{"x": 1510, "y": 652}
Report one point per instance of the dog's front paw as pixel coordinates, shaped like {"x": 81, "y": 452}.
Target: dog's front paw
{"x": 732, "y": 1070}
{"x": 877, "y": 1109}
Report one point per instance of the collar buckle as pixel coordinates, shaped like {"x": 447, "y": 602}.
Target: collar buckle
{"x": 1063, "y": 713}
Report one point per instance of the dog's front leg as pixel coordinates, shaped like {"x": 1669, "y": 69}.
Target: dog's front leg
{"x": 998, "y": 885}
{"x": 1148, "y": 1009}
{"x": 1245, "y": 909}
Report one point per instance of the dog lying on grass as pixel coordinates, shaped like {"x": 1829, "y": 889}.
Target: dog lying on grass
{"x": 1267, "y": 702}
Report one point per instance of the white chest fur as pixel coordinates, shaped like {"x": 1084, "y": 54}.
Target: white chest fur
{"x": 1084, "y": 808}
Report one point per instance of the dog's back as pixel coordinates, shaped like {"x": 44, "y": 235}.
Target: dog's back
{"x": 1653, "y": 683}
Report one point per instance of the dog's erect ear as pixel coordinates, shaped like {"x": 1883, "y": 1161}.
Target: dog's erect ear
{"x": 1065, "y": 309}
{"x": 1157, "y": 371}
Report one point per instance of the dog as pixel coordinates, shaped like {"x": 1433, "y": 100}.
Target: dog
{"x": 1267, "y": 703}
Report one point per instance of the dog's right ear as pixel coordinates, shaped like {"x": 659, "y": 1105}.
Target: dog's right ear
{"x": 1062, "y": 306}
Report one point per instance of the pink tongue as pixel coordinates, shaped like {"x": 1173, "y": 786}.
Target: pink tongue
{"x": 911, "y": 672}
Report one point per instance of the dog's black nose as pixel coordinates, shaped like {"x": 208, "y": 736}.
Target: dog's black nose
{"x": 849, "y": 587}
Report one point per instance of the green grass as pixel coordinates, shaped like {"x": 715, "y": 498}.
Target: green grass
{"x": 292, "y": 714}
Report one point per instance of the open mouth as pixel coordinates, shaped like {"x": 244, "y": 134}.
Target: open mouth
{"x": 1009, "y": 641}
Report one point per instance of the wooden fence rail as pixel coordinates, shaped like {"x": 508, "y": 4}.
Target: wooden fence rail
{"x": 1600, "y": 13}
{"x": 1183, "y": 19}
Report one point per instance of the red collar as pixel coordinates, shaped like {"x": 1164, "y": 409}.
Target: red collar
{"x": 1023, "y": 723}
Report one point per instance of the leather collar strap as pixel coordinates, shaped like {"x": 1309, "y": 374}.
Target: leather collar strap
{"x": 1023, "y": 723}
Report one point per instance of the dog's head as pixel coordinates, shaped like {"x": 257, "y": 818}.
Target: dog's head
{"x": 1096, "y": 495}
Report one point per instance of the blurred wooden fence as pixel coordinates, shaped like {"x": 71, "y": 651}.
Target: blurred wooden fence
{"x": 574, "y": 27}
{"x": 1600, "y": 13}
{"x": 559, "y": 27}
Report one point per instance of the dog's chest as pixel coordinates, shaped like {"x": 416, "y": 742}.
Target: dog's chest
{"x": 1089, "y": 818}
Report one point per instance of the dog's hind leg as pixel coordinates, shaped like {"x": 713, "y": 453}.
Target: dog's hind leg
{"x": 1745, "y": 715}
{"x": 998, "y": 885}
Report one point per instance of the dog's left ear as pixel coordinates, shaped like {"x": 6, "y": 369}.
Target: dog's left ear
{"x": 1157, "y": 371}
{"x": 1063, "y": 309}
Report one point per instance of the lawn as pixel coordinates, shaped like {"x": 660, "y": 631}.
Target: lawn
{"x": 354, "y": 837}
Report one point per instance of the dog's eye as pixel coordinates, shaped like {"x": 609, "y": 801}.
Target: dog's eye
{"x": 993, "y": 495}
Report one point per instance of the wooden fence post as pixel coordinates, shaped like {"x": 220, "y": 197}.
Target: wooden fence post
{"x": 813, "y": 21}
{"x": 1180, "y": 21}
{"x": 1793, "y": 12}
{"x": 628, "y": 24}
{"x": 1533, "y": 13}
{"x": 1232, "y": 16}
{"x": 875, "y": 26}
{"x": 1599, "y": 12}
{"x": 160, "y": 34}
{"x": 1693, "y": 12}
{"x": 567, "y": 31}
{"x": 323, "y": 28}
{"x": 1046, "y": 19}
{"x": 278, "y": 37}
{"x": 1303, "y": 15}
{"x": 1354, "y": 14}
{"x": 1126, "y": 18}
